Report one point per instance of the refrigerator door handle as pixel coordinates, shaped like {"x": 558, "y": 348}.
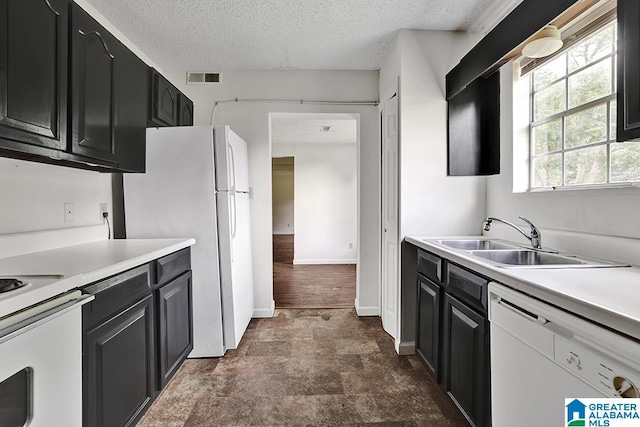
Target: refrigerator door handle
{"x": 234, "y": 220}
{"x": 232, "y": 160}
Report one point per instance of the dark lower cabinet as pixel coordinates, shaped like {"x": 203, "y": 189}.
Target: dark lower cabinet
{"x": 428, "y": 337}
{"x": 452, "y": 333}
{"x": 465, "y": 350}
{"x": 33, "y": 74}
{"x": 175, "y": 325}
{"x": 119, "y": 367}
{"x": 628, "y": 81}
{"x": 136, "y": 333}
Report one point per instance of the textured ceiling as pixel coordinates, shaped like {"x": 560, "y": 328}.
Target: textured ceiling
{"x": 301, "y": 130}
{"x": 221, "y": 35}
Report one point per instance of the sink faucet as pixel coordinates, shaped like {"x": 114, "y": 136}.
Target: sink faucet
{"x": 535, "y": 237}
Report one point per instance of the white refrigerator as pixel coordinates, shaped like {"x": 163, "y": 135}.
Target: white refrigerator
{"x": 197, "y": 185}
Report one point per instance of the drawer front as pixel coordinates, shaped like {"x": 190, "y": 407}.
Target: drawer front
{"x": 468, "y": 286}
{"x": 114, "y": 294}
{"x": 172, "y": 265}
{"x": 430, "y": 265}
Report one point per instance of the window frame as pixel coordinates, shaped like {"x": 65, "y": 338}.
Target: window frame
{"x": 606, "y": 100}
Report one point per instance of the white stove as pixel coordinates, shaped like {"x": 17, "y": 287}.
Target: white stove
{"x": 41, "y": 350}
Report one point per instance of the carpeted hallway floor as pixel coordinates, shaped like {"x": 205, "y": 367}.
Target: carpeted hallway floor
{"x": 306, "y": 367}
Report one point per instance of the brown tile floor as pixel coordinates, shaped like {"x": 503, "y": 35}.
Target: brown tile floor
{"x": 306, "y": 367}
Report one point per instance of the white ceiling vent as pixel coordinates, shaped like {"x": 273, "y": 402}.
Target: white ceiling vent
{"x": 203, "y": 78}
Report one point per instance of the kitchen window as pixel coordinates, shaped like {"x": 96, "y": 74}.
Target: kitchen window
{"x": 572, "y": 117}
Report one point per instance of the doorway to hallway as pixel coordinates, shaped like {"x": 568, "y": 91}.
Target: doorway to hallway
{"x": 315, "y": 210}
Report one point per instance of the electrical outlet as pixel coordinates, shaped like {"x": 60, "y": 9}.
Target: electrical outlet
{"x": 103, "y": 209}
{"x": 68, "y": 212}
{"x": 350, "y": 245}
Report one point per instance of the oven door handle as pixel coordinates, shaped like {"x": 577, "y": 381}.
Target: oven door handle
{"x": 30, "y": 318}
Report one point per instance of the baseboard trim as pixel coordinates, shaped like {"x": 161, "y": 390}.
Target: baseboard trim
{"x": 405, "y": 348}
{"x": 323, "y": 261}
{"x": 261, "y": 313}
{"x": 366, "y": 311}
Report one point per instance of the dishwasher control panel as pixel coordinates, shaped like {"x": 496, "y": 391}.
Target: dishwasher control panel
{"x": 610, "y": 379}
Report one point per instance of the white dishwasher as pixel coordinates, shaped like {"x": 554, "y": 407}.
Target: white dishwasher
{"x": 541, "y": 355}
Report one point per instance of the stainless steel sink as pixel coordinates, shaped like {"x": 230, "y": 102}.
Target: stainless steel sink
{"x": 534, "y": 259}
{"x": 475, "y": 244}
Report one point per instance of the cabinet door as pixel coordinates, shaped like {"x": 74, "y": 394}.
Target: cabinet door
{"x": 628, "y": 105}
{"x": 118, "y": 367}
{"x": 473, "y": 137}
{"x": 465, "y": 358}
{"x": 131, "y": 124}
{"x": 428, "y": 336}
{"x": 186, "y": 110}
{"x": 33, "y": 73}
{"x": 164, "y": 101}
{"x": 93, "y": 87}
{"x": 175, "y": 326}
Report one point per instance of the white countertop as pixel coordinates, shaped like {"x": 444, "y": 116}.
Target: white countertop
{"x": 56, "y": 271}
{"x": 609, "y": 296}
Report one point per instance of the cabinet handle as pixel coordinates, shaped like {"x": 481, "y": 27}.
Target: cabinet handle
{"x": 51, "y": 7}
{"x": 104, "y": 44}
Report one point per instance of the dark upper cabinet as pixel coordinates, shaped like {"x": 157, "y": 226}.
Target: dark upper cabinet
{"x": 473, "y": 137}
{"x": 628, "y": 104}
{"x": 131, "y": 110}
{"x": 33, "y": 74}
{"x": 108, "y": 97}
{"x": 175, "y": 326}
{"x": 164, "y": 101}
{"x": 93, "y": 88}
{"x": 167, "y": 105}
{"x": 70, "y": 93}
{"x": 185, "y": 110}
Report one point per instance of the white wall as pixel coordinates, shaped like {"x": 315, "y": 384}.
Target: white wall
{"x": 325, "y": 202}
{"x": 251, "y": 122}
{"x": 33, "y": 195}
{"x": 431, "y": 203}
{"x": 612, "y": 212}
{"x": 283, "y": 199}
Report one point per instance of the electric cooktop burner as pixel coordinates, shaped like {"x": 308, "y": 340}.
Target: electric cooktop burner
{"x": 9, "y": 284}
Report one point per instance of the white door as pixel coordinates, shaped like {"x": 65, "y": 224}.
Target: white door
{"x": 390, "y": 286}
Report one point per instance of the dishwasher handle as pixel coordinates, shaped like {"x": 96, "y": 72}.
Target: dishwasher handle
{"x": 532, "y": 317}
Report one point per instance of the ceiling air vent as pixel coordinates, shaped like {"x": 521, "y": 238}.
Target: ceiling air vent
{"x": 203, "y": 78}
